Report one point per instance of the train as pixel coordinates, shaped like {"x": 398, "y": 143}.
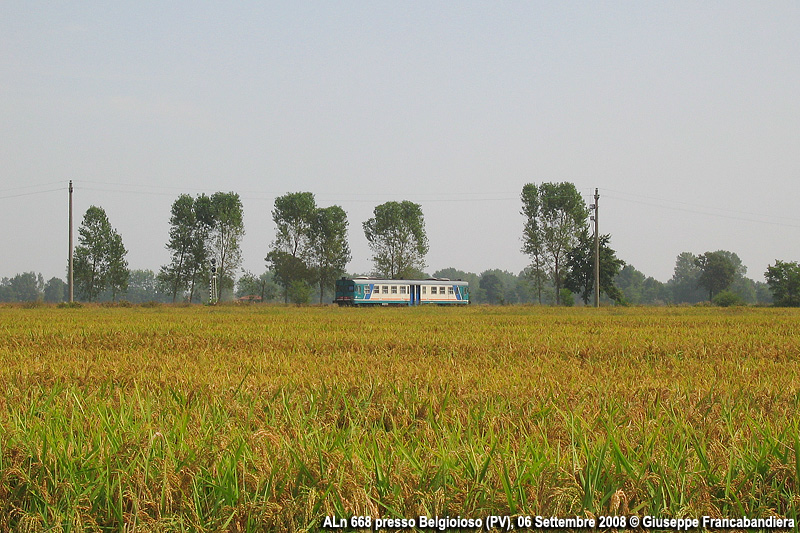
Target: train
{"x": 366, "y": 291}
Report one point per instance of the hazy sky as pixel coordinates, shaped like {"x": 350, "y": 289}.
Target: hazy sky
{"x": 686, "y": 116}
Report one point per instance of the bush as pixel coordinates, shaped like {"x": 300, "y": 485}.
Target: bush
{"x": 567, "y": 298}
{"x": 728, "y": 299}
{"x": 69, "y": 305}
{"x": 300, "y": 292}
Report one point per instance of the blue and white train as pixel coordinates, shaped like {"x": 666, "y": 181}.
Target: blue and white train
{"x": 373, "y": 291}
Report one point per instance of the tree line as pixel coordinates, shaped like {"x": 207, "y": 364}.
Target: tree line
{"x": 310, "y": 251}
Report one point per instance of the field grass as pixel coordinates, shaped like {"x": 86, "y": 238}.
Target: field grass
{"x": 271, "y": 418}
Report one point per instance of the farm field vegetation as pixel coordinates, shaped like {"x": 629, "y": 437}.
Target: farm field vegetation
{"x": 271, "y": 418}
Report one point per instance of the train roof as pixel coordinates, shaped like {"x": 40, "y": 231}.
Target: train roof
{"x": 427, "y": 281}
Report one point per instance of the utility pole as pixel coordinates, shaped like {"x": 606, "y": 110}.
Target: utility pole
{"x": 69, "y": 275}
{"x": 596, "y": 251}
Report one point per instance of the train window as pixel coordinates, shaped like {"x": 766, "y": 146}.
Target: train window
{"x": 394, "y": 289}
{"x": 402, "y": 289}
{"x": 424, "y": 289}
{"x": 449, "y": 290}
{"x": 385, "y": 289}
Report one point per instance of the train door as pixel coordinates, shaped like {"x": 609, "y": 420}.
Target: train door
{"x": 414, "y": 295}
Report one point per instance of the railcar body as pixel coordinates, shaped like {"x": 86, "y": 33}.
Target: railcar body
{"x": 364, "y": 291}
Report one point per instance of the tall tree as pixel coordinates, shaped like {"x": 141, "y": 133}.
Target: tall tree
{"x": 532, "y": 244}
{"x": 493, "y": 288}
{"x": 684, "y": 283}
{"x": 99, "y": 258}
{"x": 183, "y": 235}
{"x": 293, "y": 216}
{"x": 330, "y": 251}
{"x": 783, "y": 279}
{"x": 580, "y": 268}
{"x": 117, "y": 266}
{"x": 717, "y": 272}
{"x": 27, "y": 287}
{"x": 396, "y": 235}
{"x": 288, "y": 270}
{"x": 288, "y": 260}
{"x": 555, "y": 217}
{"x": 225, "y": 236}
{"x": 55, "y": 291}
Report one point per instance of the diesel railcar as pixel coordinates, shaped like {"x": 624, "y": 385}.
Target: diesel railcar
{"x": 363, "y": 291}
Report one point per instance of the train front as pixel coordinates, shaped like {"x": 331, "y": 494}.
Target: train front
{"x": 345, "y": 291}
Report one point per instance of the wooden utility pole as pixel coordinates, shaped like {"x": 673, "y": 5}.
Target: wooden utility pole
{"x": 596, "y": 251}
{"x": 69, "y": 275}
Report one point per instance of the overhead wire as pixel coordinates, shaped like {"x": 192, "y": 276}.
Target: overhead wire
{"x": 707, "y": 213}
{"x": 32, "y": 186}
{"x": 705, "y": 207}
{"x": 32, "y": 193}
{"x": 368, "y": 197}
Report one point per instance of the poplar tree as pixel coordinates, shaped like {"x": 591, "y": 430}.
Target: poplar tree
{"x": 225, "y": 235}
{"x": 396, "y": 235}
{"x": 330, "y": 251}
{"x": 555, "y": 217}
{"x": 99, "y": 259}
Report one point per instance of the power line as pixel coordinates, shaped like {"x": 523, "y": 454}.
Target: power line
{"x": 689, "y": 204}
{"x": 718, "y": 215}
{"x": 31, "y": 193}
{"x": 348, "y": 198}
{"x": 30, "y": 186}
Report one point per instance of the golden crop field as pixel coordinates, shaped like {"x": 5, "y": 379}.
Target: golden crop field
{"x": 273, "y": 418}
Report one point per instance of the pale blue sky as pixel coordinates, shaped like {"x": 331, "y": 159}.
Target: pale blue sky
{"x": 686, "y": 115}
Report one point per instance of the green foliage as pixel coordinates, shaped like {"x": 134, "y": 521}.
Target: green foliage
{"x": 310, "y": 244}
{"x": 330, "y": 251}
{"x": 293, "y": 215}
{"x": 99, "y": 259}
{"x": 55, "y": 290}
{"x": 727, "y": 298}
{"x": 684, "y": 285}
{"x": 118, "y": 272}
{"x": 492, "y": 288}
{"x": 640, "y": 290}
{"x": 289, "y": 257}
{"x": 555, "y": 218}
{"x": 225, "y": 236}
{"x": 69, "y": 305}
{"x": 566, "y": 298}
{"x": 143, "y": 286}
{"x": 454, "y": 273}
{"x": 396, "y": 235}
{"x": 201, "y": 229}
{"x": 190, "y": 222}
{"x": 580, "y": 268}
{"x": 25, "y": 287}
{"x": 717, "y": 272}
{"x": 262, "y": 286}
{"x": 287, "y": 269}
{"x": 783, "y": 279}
{"x": 299, "y": 292}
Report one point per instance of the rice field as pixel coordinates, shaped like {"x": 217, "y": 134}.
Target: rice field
{"x": 274, "y": 418}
